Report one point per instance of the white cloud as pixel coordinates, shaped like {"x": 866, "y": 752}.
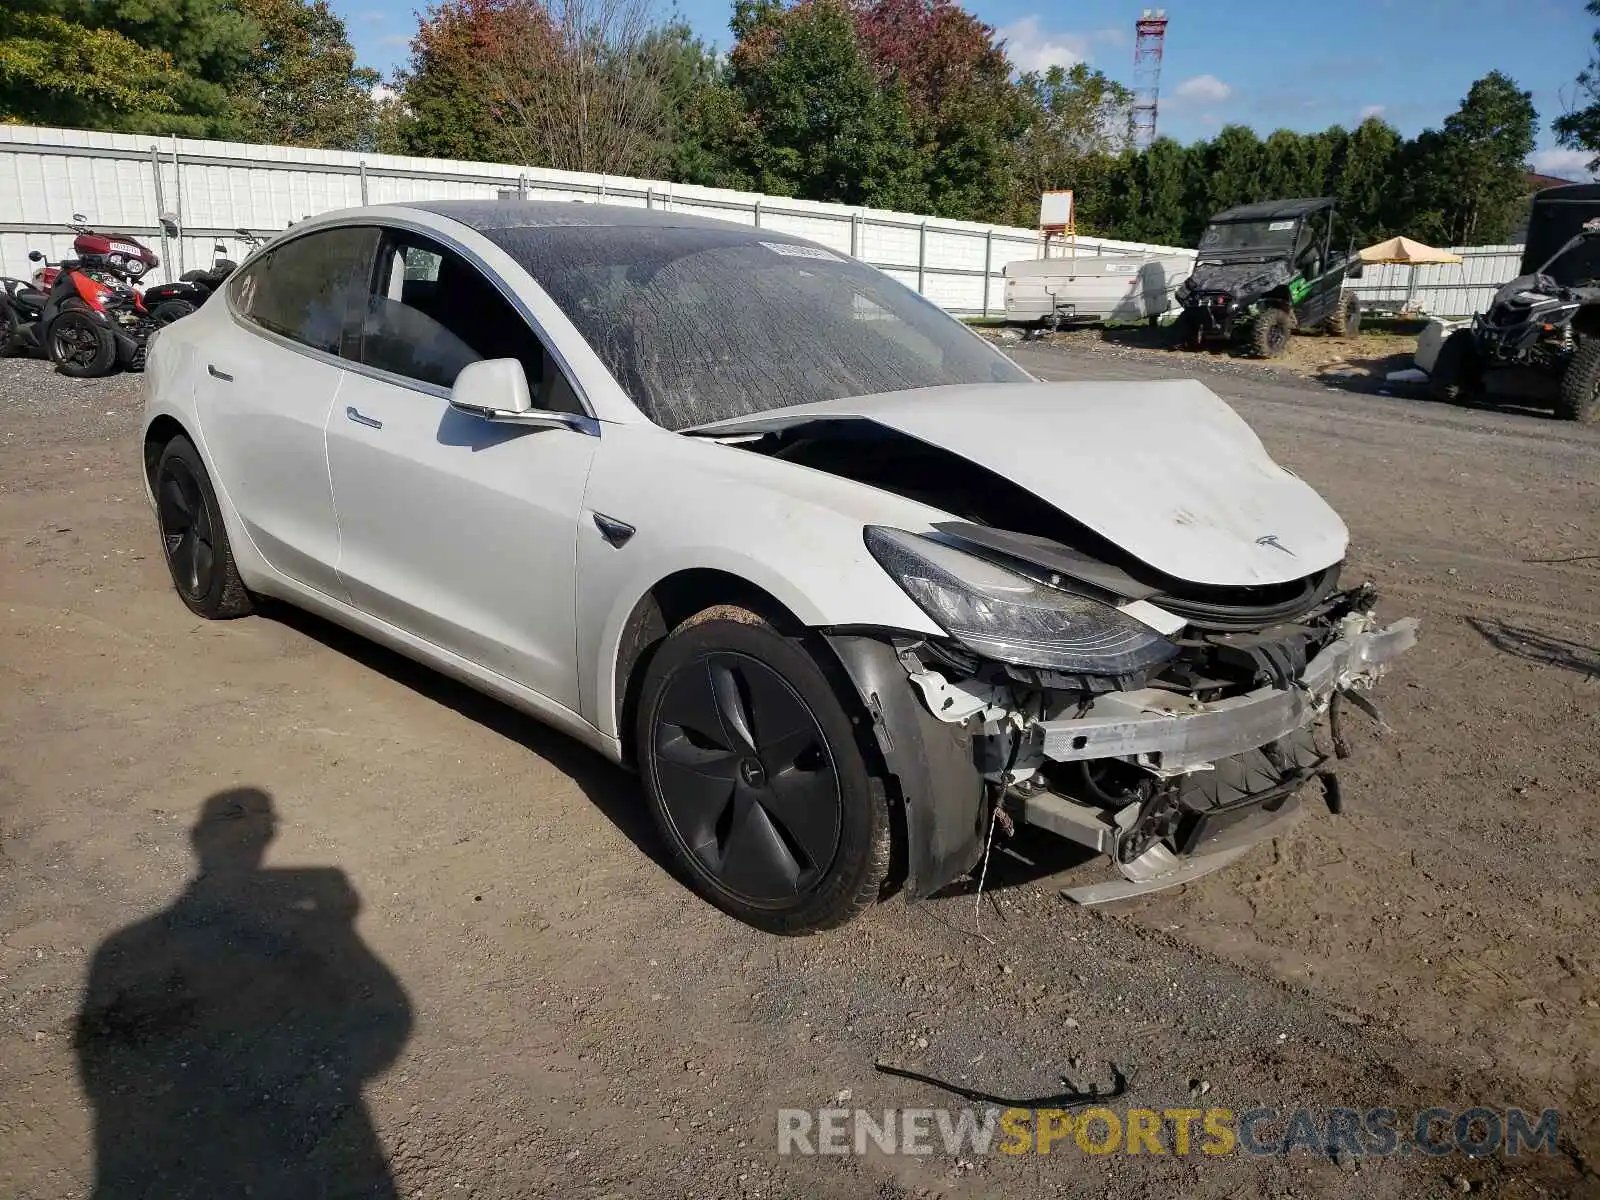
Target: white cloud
{"x": 382, "y": 93}
{"x": 395, "y": 39}
{"x": 1032, "y": 49}
{"x": 1205, "y": 88}
{"x": 1374, "y": 110}
{"x": 1569, "y": 164}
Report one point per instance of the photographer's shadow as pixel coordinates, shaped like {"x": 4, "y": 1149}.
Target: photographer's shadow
{"x": 224, "y": 1042}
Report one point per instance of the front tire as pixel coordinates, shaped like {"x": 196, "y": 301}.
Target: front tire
{"x": 1269, "y": 333}
{"x": 755, "y": 778}
{"x": 194, "y": 538}
{"x": 80, "y": 345}
{"x": 1580, "y": 383}
{"x": 1186, "y": 331}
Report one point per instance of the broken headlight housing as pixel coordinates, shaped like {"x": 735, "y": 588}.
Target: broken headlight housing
{"x": 1011, "y": 618}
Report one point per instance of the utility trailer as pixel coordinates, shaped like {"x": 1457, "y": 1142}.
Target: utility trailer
{"x": 1075, "y": 290}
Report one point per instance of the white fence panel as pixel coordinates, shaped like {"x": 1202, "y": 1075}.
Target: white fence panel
{"x": 122, "y": 182}
{"x": 215, "y": 187}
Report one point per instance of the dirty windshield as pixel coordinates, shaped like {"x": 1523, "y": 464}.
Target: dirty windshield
{"x": 700, "y": 324}
{"x": 1239, "y": 237}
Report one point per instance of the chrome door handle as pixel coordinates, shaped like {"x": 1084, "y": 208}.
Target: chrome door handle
{"x": 361, "y": 419}
{"x": 216, "y": 374}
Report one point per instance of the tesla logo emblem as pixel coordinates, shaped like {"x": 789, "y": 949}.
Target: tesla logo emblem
{"x": 1271, "y": 539}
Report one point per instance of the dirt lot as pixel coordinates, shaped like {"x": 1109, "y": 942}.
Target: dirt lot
{"x": 1359, "y": 363}
{"x": 529, "y": 1004}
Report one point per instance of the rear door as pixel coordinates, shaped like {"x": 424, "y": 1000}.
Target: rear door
{"x": 459, "y": 531}
{"x": 271, "y": 378}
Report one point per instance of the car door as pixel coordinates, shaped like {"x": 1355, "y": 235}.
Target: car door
{"x": 270, "y": 382}
{"x": 455, "y": 529}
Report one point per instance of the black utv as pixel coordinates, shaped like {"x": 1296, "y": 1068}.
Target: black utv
{"x": 1541, "y": 335}
{"x": 1265, "y": 270}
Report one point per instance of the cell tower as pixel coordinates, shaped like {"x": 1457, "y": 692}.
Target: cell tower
{"x": 1150, "y": 32}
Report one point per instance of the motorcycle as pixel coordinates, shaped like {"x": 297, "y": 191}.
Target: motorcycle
{"x": 83, "y": 312}
{"x": 168, "y": 302}
{"x": 91, "y": 319}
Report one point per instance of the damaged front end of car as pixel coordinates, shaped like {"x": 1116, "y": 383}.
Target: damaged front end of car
{"x": 1170, "y": 728}
{"x": 1146, "y": 641}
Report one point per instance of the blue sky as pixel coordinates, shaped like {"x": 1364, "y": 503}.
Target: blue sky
{"x": 1296, "y": 64}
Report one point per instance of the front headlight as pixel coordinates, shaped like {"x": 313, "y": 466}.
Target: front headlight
{"x": 1010, "y": 618}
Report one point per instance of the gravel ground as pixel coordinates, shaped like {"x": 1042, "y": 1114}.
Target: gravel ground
{"x": 545, "y": 1010}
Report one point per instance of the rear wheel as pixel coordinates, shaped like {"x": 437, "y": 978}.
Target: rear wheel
{"x": 193, "y": 536}
{"x": 80, "y": 345}
{"x": 1458, "y": 371}
{"x": 169, "y": 311}
{"x": 1269, "y": 333}
{"x": 1580, "y": 383}
{"x": 755, "y": 779}
{"x": 1346, "y": 318}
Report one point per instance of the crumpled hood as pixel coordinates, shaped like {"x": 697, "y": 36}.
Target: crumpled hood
{"x": 1164, "y": 470}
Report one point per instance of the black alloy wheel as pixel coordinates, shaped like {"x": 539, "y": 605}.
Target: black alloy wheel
{"x": 80, "y": 345}
{"x": 756, "y": 777}
{"x": 193, "y": 536}
{"x": 747, "y": 779}
{"x": 187, "y": 529}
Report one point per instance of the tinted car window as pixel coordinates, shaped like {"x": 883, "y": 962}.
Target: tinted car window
{"x": 431, "y": 312}
{"x": 698, "y": 324}
{"x": 307, "y": 288}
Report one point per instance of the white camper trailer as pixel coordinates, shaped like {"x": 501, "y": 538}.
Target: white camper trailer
{"x": 1062, "y": 291}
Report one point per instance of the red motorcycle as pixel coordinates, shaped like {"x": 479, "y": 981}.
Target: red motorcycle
{"x": 84, "y": 312}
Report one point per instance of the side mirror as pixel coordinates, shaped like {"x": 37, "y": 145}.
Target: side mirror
{"x": 35, "y": 256}
{"x": 496, "y": 389}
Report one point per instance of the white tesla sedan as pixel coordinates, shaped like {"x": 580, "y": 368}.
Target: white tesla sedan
{"x": 850, "y": 589}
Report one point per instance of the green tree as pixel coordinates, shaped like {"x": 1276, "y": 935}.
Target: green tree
{"x": 1467, "y": 180}
{"x": 446, "y": 109}
{"x": 1074, "y": 122}
{"x": 211, "y": 43}
{"x": 303, "y": 87}
{"x": 55, "y": 71}
{"x": 964, "y": 108}
{"x": 1158, "y": 194}
{"x": 828, "y": 130}
{"x": 1579, "y": 129}
{"x": 1366, "y": 178}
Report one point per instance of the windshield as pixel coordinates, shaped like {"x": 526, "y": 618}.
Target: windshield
{"x": 1250, "y": 235}
{"x": 1575, "y": 264}
{"x": 700, "y": 324}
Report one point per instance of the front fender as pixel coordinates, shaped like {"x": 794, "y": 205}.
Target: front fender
{"x": 793, "y": 532}
{"x": 931, "y": 760}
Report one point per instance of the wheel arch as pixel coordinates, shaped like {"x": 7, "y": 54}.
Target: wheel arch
{"x": 157, "y": 434}
{"x": 664, "y": 606}
{"x": 935, "y": 797}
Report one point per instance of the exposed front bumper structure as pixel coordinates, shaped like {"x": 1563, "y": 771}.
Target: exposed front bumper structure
{"x": 1171, "y": 736}
{"x": 1168, "y": 732}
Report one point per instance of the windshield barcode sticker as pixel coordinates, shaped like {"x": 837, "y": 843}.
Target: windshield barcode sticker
{"x": 1279, "y": 225}
{"x": 791, "y": 250}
